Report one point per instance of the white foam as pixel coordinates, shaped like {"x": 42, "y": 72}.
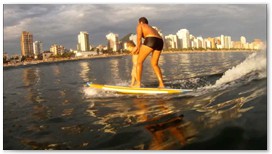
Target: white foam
{"x": 99, "y": 93}
{"x": 90, "y": 91}
{"x": 256, "y": 62}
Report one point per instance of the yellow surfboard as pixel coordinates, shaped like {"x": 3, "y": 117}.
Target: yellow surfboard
{"x": 130, "y": 90}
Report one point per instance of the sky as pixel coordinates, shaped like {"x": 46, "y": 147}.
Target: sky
{"x": 61, "y": 23}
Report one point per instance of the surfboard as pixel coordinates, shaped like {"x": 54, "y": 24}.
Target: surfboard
{"x": 131, "y": 90}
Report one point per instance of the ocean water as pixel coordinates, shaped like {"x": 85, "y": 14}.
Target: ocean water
{"x": 48, "y": 106}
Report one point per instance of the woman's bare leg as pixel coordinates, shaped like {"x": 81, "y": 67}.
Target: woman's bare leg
{"x": 154, "y": 62}
{"x": 144, "y": 52}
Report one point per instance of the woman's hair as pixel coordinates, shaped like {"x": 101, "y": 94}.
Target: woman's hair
{"x": 144, "y": 20}
{"x": 130, "y": 44}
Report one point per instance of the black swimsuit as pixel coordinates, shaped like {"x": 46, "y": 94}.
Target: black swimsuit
{"x": 154, "y": 43}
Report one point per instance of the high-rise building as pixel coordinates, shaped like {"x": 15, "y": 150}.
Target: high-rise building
{"x": 243, "y": 41}
{"x": 200, "y": 42}
{"x": 213, "y": 42}
{"x": 112, "y": 41}
{"x": 207, "y": 44}
{"x": 237, "y": 44}
{"x": 184, "y": 38}
{"x": 171, "y": 41}
{"x": 27, "y": 44}
{"x": 83, "y": 41}
{"x": 218, "y": 43}
{"x": 37, "y": 48}
{"x": 57, "y": 49}
{"x": 222, "y": 40}
{"x": 227, "y": 40}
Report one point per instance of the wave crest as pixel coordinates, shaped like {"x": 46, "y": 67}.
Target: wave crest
{"x": 255, "y": 63}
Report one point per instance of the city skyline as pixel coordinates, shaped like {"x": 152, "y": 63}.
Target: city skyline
{"x": 180, "y": 41}
{"x": 235, "y": 20}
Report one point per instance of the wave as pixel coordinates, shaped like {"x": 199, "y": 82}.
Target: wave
{"x": 254, "y": 65}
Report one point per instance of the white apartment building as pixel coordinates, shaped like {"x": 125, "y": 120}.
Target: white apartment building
{"x": 83, "y": 41}
{"x": 184, "y": 39}
{"x": 200, "y": 42}
{"x": 171, "y": 41}
{"x": 207, "y": 44}
{"x": 57, "y": 49}
{"x": 112, "y": 41}
{"x": 243, "y": 41}
{"x": 222, "y": 40}
{"x": 218, "y": 44}
{"x": 37, "y": 48}
{"x": 227, "y": 40}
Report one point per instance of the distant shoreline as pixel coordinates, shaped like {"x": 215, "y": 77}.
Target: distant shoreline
{"x": 36, "y": 62}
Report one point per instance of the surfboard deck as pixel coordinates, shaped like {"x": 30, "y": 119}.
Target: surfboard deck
{"x": 131, "y": 90}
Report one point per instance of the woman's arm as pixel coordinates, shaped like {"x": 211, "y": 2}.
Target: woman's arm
{"x": 139, "y": 38}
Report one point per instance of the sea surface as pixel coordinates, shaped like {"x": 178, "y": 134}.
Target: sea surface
{"x": 49, "y": 106}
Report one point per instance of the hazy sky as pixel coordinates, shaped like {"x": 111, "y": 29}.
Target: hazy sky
{"x": 60, "y": 24}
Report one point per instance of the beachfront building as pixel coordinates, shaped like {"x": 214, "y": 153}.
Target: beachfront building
{"x": 37, "y": 48}
{"x": 184, "y": 39}
{"x": 243, "y": 42}
{"x": 171, "y": 41}
{"x": 227, "y": 40}
{"x": 207, "y": 43}
{"x": 237, "y": 44}
{"x": 27, "y": 44}
{"x": 57, "y": 49}
{"x": 83, "y": 41}
{"x": 218, "y": 43}
{"x": 213, "y": 42}
{"x": 200, "y": 42}
{"x": 46, "y": 55}
{"x": 222, "y": 41}
{"x": 113, "y": 43}
{"x": 193, "y": 41}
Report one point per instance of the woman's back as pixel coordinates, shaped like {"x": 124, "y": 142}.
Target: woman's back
{"x": 149, "y": 31}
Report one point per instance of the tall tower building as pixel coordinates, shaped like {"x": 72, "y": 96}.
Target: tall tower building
{"x": 171, "y": 41}
{"x": 227, "y": 41}
{"x": 222, "y": 40}
{"x": 27, "y": 44}
{"x": 200, "y": 42}
{"x": 184, "y": 38}
{"x": 243, "y": 41}
{"x": 83, "y": 42}
{"x": 37, "y": 48}
{"x": 112, "y": 41}
{"x": 213, "y": 42}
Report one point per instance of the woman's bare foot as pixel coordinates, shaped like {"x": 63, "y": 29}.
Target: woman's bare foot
{"x": 161, "y": 86}
{"x": 137, "y": 85}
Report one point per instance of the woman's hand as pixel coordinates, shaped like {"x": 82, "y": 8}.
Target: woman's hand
{"x": 135, "y": 51}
